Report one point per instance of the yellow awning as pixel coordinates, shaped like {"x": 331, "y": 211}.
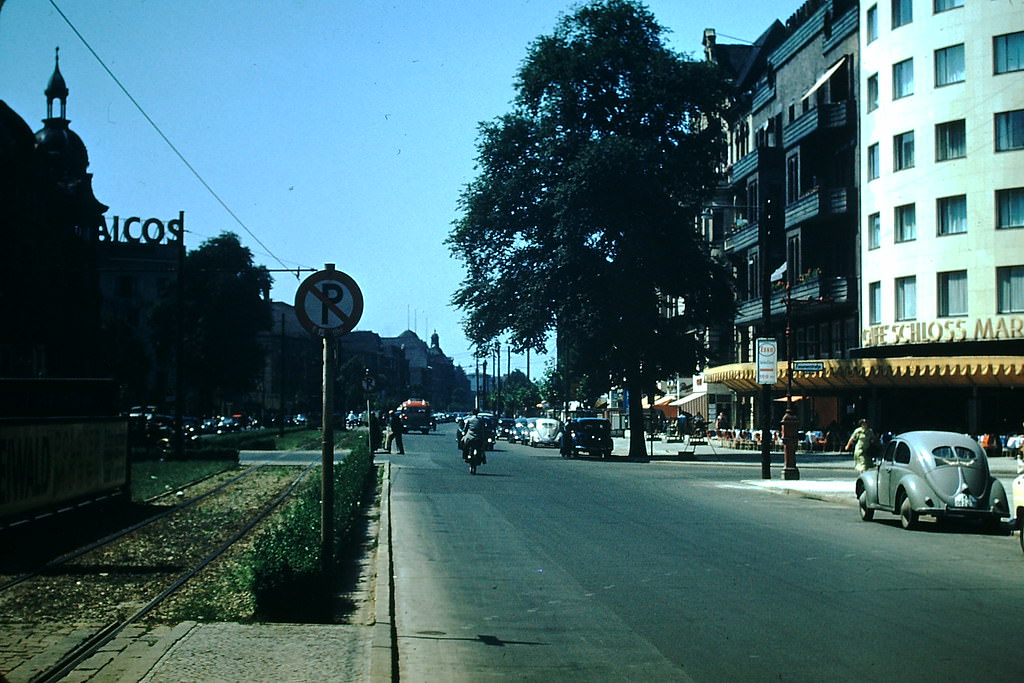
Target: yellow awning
{"x": 865, "y": 373}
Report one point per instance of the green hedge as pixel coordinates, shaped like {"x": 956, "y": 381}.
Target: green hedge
{"x": 286, "y": 577}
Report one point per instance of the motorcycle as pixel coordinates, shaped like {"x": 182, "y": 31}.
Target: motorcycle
{"x": 473, "y": 455}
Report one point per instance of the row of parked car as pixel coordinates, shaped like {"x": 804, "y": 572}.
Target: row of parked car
{"x": 579, "y": 435}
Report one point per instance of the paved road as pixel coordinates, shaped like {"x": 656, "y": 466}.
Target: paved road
{"x": 541, "y": 568}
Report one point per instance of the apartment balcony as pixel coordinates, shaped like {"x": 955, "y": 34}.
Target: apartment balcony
{"x": 763, "y": 157}
{"x": 740, "y": 237}
{"x": 764, "y": 94}
{"x": 830, "y": 116}
{"x": 810, "y": 294}
{"x": 820, "y": 202}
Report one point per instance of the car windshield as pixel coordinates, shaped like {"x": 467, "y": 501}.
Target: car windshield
{"x": 594, "y": 427}
{"x": 953, "y": 455}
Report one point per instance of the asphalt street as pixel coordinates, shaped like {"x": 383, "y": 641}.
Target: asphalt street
{"x": 543, "y": 568}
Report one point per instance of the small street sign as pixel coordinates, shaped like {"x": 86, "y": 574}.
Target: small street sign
{"x": 329, "y": 303}
{"x": 369, "y": 384}
{"x": 808, "y": 365}
{"x": 767, "y": 361}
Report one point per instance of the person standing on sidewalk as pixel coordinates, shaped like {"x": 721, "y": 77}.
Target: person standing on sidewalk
{"x": 863, "y": 441}
{"x": 395, "y": 432}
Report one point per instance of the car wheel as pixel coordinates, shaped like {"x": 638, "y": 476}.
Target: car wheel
{"x": 908, "y": 516}
{"x": 1021, "y": 535}
{"x": 866, "y": 513}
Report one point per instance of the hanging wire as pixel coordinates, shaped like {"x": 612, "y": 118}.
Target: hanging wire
{"x": 167, "y": 140}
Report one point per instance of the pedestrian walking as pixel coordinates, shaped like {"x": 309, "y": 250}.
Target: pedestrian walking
{"x": 863, "y": 441}
{"x": 395, "y": 432}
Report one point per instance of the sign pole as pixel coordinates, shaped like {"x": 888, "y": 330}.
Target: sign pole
{"x": 767, "y": 374}
{"x": 327, "y": 462}
{"x": 328, "y": 303}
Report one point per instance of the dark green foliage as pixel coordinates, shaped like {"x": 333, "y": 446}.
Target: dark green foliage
{"x": 287, "y": 581}
{"x": 226, "y": 303}
{"x": 582, "y": 218}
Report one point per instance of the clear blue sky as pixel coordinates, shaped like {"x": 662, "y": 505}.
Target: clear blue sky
{"x": 338, "y": 131}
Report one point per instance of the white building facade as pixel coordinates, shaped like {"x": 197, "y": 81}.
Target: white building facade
{"x": 942, "y": 173}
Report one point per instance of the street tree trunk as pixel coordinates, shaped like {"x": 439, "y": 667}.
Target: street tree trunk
{"x": 634, "y": 385}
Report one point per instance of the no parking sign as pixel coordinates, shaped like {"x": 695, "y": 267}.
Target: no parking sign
{"x": 329, "y": 303}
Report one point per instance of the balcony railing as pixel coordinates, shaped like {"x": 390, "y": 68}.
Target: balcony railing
{"x": 819, "y": 202}
{"x": 741, "y": 238}
{"x": 813, "y": 293}
{"x": 744, "y": 166}
{"x": 826, "y": 116}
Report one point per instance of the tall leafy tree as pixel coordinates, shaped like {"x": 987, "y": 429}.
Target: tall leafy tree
{"x": 581, "y": 219}
{"x": 226, "y": 302}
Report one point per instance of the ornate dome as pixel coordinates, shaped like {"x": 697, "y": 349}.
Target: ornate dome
{"x": 61, "y": 150}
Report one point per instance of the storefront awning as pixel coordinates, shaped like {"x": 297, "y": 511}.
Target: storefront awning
{"x": 866, "y": 373}
{"x": 827, "y": 75}
{"x": 689, "y": 398}
{"x": 665, "y": 400}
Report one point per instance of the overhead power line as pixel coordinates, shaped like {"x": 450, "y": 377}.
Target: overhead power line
{"x": 167, "y": 140}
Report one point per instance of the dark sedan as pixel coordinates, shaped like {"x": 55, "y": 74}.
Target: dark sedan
{"x": 590, "y": 435}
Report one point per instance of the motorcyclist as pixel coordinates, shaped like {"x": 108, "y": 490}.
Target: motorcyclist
{"x": 474, "y": 436}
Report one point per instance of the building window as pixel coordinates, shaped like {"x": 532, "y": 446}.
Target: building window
{"x": 905, "y": 222}
{"x": 793, "y": 178}
{"x": 872, "y": 92}
{"x": 949, "y": 65}
{"x": 952, "y": 292}
{"x": 753, "y": 275}
{"x": 872, "y": 23}
{"x": 874, "y": 164}
{"x": 903, "y": 79}
{"x": 1010, "y": 208}
{"x": 1009, "y": 52}
{"x": 950, "y": 140}
{"x": 1010, "y": 289}
{"x": 793, "y": 259}
{"x": 874, "y": 231}
{"x": 906, "y": 298}
{"x": 903, "y": 151}
{"x": 1010, "y": 130}
{"x": 943, "y": 5}
{"x": 902, "y": 12}
{"x": 875, "y": 303}
{"x": 952, "y": 215}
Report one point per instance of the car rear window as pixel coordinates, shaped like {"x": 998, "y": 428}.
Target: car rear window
{"x": 953, "y": 455}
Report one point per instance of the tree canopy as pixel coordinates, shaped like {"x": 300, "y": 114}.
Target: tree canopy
{"x": 226, "y": 302}
{"x": 582, "y": 217}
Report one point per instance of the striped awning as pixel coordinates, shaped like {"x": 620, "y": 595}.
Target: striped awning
{"x": 865, "y": 373}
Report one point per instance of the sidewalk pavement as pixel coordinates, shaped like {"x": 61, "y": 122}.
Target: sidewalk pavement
{"x": 824, "y": 475}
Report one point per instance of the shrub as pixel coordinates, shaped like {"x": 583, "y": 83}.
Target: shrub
{"x": 287, "y": 581}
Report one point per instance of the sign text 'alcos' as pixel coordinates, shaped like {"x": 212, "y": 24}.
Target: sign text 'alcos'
{"x": 135, "y": 230}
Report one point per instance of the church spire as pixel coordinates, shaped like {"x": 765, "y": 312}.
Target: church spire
{"x": 56, "y": 89}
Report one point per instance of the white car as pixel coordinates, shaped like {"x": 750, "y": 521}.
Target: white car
{"x": 545, "y": 432}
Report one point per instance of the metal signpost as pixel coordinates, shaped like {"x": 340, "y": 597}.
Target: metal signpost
{"x": 767, "y": 375}
{"x": 369, "y": 384}
{"x": 328, "y": 303}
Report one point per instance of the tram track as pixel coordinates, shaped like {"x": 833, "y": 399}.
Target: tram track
{"x": 110, "y": 630}
{"x": 120, "y": 533}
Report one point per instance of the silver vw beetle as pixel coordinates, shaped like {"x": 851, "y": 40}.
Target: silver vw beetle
{"x": 939, "y": 474}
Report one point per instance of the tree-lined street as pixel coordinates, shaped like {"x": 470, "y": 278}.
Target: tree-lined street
{"x": 543, "y": 568}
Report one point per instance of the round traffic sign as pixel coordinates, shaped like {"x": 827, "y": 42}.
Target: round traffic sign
{"x": 329, "y": 303}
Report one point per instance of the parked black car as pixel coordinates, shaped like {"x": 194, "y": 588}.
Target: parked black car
{"x": 590, "y": 435}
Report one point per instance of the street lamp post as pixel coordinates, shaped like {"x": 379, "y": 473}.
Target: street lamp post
{"x": 789, "y": 420}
